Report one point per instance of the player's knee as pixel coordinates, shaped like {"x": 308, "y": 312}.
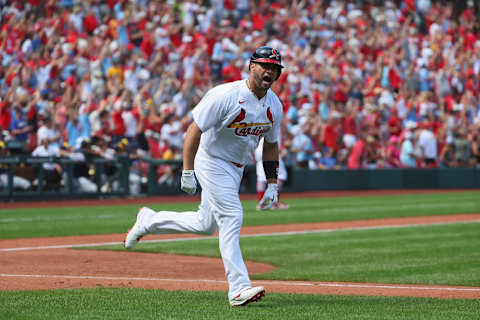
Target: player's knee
{"x": 209, "y": 230}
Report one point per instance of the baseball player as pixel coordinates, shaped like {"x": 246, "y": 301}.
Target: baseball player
{"x": 262, "y": 179}
{"x": 227, "y": 125}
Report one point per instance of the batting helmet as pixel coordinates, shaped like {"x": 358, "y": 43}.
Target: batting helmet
{"x": 267, "y": 55}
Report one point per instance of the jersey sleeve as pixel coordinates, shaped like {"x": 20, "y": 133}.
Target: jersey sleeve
{"x": 209, "y": 111}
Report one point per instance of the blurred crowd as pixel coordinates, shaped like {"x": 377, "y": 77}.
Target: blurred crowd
{"x": 367, "y": 84}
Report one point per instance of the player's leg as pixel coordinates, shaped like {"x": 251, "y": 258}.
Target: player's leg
{"x": 282, "y": 177}
{"x": 261, "y": 186}
{"x": 167, "y": 222}
{"x": 229, "y": 219}
{"x": 261, "y": 180}
{"x": 223, "y": 183}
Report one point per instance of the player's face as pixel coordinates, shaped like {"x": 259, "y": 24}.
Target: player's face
{"x": 264, "y": 74}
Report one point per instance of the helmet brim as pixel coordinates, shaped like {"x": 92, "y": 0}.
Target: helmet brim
{"x": 266, "y": 60}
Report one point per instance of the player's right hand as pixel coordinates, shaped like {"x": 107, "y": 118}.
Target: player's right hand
{"x": 188, "y": 182}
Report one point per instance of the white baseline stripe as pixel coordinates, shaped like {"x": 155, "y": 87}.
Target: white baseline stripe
{"x": 64, "y": 246}
{"x": 292, "y": 284}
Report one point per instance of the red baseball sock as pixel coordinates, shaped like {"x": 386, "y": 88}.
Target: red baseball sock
{"x": 260, "y": 195}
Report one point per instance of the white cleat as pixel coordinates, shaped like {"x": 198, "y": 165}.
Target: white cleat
{"x": 136, "y": 232}
{"x": 248, "y": 295}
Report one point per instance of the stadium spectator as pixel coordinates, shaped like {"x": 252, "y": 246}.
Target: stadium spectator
{"x": 82, "y": 180}
{"x": 356, "y": 157}
{"x": 463, "y": 157}
{"x": 18, "y": 182}
{"x": 427, "y": 143}
{"x": 302, "y": 146}
{"x": 49, "y": 131}
{"x": 407, "y": 151}
{"x": 392, "y": 153}
{"x": 447, "y": 154}
{"x": 19, "y": 125}
{"x": 52, "y": 171}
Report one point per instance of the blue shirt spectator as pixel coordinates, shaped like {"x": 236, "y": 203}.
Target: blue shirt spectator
{"x": 407, "y": 152}
{"x": 19, "y": 126}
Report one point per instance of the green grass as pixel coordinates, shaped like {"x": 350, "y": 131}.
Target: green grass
{"x": 42, "y": 222}
{"x": 109, "y": 303}
{"x": 438, "y": 254}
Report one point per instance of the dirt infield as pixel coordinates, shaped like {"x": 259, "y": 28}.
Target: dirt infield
{"x": 50, "y": 263}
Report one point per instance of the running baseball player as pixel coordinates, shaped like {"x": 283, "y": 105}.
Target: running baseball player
{"x": 227, "y": 125}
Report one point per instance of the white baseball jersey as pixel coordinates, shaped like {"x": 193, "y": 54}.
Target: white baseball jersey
{"x": 233, "y": 120}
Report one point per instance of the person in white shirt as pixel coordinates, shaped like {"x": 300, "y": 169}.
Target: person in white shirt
{"x": 172, "y": 131}
{"x": 227, "y": 125}
{"x": 49, "y": 131}
{"x": 52, "y": 170}
{"x": 407, "y": 153}
{"x": 427, "y": 142}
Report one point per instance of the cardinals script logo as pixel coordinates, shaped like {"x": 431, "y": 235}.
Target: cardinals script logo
{"x": 244, "y": 129}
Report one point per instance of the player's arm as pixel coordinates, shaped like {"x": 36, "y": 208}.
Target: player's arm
{"x": 270, "y": 165}
{"x": 270, "y": 161}
{"x": 190, "y": 147}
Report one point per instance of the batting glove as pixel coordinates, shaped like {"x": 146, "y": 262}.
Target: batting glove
{"x": 188, "y": 182}
{"x": 270, "y": 197}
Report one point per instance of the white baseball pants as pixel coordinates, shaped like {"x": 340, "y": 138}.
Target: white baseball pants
{"x": 220, "y": 208}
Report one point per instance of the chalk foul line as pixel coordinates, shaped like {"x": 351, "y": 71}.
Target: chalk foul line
{"x": 287, "y": 233}
{"x": 291, "y": 284}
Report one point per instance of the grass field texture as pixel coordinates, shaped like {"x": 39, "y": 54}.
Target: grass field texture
{"x": 42, "y": 222}
{"x": 439, "y": 254}
{"x": 141, "y": 304}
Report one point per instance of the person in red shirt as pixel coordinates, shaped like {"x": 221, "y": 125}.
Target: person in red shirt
{"x": 147, "y": 45}
{"x": 90, "y": 22}
{"x": 392, "y": 153}
{"x": 349, "y": 127}
{"x": 5, "y": 116}
{"x": 258, "y": 21}
{"x": 231, "y": 72}
{"x": 357, "y": 154}
{"x": 330, "y": 131}
{"x": 394, "y": 123}
{"x": 118, "y": 130}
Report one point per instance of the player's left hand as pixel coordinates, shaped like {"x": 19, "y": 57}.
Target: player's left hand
{"x": 270, "y": 197}
{"x": 188, "y": 182}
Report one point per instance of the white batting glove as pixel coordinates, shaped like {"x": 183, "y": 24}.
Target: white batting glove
{"x": 270, "y": 197}
{"x": 188, "y": 182}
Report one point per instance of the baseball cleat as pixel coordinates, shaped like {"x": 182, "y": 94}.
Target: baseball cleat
{"x": 134, "y": 234}
{"x": 281, "y": 206}
{"x": 248, "y": 295}
{"x": 277, "y": 206}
